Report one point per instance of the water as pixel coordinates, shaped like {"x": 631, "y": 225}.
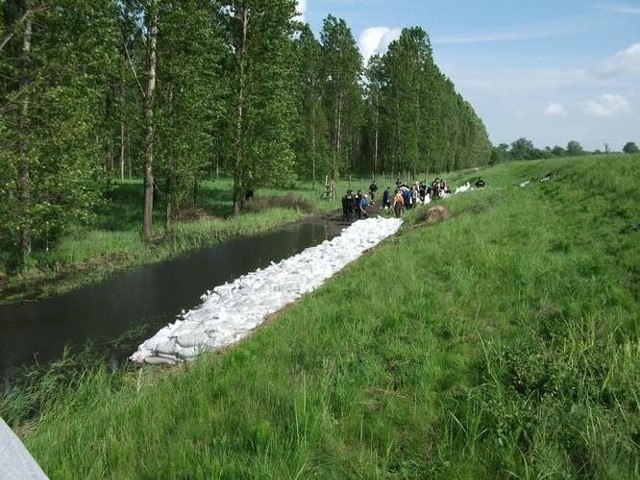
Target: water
{"x": 146, "y": 297}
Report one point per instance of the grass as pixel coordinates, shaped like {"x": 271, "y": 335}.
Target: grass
{"x": 501, "y": 343}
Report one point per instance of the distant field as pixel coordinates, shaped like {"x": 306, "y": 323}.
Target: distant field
{"x": 500, "y": 343}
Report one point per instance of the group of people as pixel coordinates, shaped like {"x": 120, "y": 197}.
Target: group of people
{"x": 404, "y": 197}
{"x": 354, "y": 205}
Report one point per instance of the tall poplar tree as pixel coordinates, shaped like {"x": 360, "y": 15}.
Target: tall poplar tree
{"x": 375, "y": 83}
{"x": 56, "y": 58}
{"x": 190, "y": 48}
{"x": 312, "y": 141}
{"x": 261, "y": 75}
{"x": 342, "y": 67}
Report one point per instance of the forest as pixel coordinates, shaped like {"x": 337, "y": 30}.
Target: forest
{"x": 92, "y": 91}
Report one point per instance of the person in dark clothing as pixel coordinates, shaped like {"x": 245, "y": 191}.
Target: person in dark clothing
{"x": 356, "y": 200}
{"x": 422, "y": 190}
{"x": 348, "y": 206}
{"x": 373, "y": 188}
{"x": 386, "y": 198}
{"x": 406, "y": 196}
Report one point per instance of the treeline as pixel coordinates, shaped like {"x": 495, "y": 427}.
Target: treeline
{"x": 92, "y": 90}
{"x": 523, "y": 149}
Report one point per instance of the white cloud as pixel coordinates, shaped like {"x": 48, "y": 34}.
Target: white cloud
{"x": 301, "y": 9}
{"x": 623, "y": 62}
{"x": 621, "y": 8}
{"x": 376, "y": 40}
{"x": 554, "y": 109}
{"x": 606, "y": 106}
{"x": 488, "y": 37}
{"x": 564, "y": 27}
{"x": 520, "y": 82}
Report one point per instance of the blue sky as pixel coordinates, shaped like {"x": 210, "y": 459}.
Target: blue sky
{"x": 550, "y": 71}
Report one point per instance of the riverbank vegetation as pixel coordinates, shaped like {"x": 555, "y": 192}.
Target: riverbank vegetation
{"x": 110, "y": 240}
{"x": 177, "y": 92}
{"x": 500, "y": 343}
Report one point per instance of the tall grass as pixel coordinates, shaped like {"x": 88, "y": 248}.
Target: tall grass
{"x": 501, "y": 343}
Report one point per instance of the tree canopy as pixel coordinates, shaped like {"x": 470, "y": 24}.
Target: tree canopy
{"x": 171, "y": 91}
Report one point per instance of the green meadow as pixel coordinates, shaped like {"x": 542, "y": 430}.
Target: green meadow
{"x": 502, "y": 342}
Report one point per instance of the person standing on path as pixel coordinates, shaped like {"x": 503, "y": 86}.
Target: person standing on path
{"x": 386, "y": 198}
{"x": 373, "y": 188}
{"x": 398, "y": 204}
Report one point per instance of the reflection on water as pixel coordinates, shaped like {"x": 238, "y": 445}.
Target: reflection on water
{"x": 151, "y": 296}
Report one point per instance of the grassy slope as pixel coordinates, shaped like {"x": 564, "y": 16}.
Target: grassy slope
{"x": 502, "y": 343}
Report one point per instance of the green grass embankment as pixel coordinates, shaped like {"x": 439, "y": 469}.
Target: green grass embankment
{"x": 501, "y": 343}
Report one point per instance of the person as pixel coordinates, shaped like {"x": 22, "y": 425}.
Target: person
{"x": 435, "y": 185}
{"x": 373, "y": 188}
{"x": 422, "y": 191}
{"x": 348, "y": 206}
{"x": 443, "y": 187}
{"x": 386, "y": 198}
{"x": 479, "y": 183}
{"x": 356, "y": 203}
{"x": 398, "y": 203}
{"x": 406, "y": 196}
{"x": 362, "y": 207}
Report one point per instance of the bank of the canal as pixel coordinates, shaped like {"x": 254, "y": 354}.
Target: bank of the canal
{"x": 144, "y": 298}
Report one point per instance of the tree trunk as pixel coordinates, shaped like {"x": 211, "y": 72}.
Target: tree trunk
{"x": 238, "y": 188}
{"x": 122, "y": 150}
{"x": 313, "y": 147}
{"x": 338, "y": 135}
{"x": 168, "y": 226}
{"x": 147, "y": 219}
{"x": 25, "y": 181}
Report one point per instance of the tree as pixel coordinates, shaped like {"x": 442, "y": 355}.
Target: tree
{"x": 406, "y": 99}
{"x": 342, "y": 67}
{"x": 190, "y": 53}
{"x": 312, "y": 138}
{"x": 630, "y": 147}
{"x": 261, "y": 76}
{"x": 574, "y": 149}
{"x": 522, "y": 149}
{"x": 57, "y": 58}
{"x": 375, "y": 83}
{"x": 151, "y": 26}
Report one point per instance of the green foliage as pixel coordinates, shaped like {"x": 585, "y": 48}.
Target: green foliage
{"x": 630, "y": 147}
{"x": 50, "y": 147}
{"x": 341, "y": 69}
{"x": 500, "y": 343}
{"x": 312, "y": 139}
{"x": 574, "y": 149}
{"x": 420, "y": 123}
{"x": 260, "y": 75}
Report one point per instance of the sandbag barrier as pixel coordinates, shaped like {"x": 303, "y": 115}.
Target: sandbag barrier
{"x": 230, "y": 311}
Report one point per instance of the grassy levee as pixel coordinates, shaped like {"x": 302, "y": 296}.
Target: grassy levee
{"x": 501, "y": 343}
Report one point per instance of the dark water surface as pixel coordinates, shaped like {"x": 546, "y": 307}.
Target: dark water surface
{"x": 147, "y": 296}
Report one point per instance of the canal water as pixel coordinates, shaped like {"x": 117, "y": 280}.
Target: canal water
{"x": 150, "y": 297}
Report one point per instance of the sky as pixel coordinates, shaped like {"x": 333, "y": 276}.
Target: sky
{"x": 549, "y": 71}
